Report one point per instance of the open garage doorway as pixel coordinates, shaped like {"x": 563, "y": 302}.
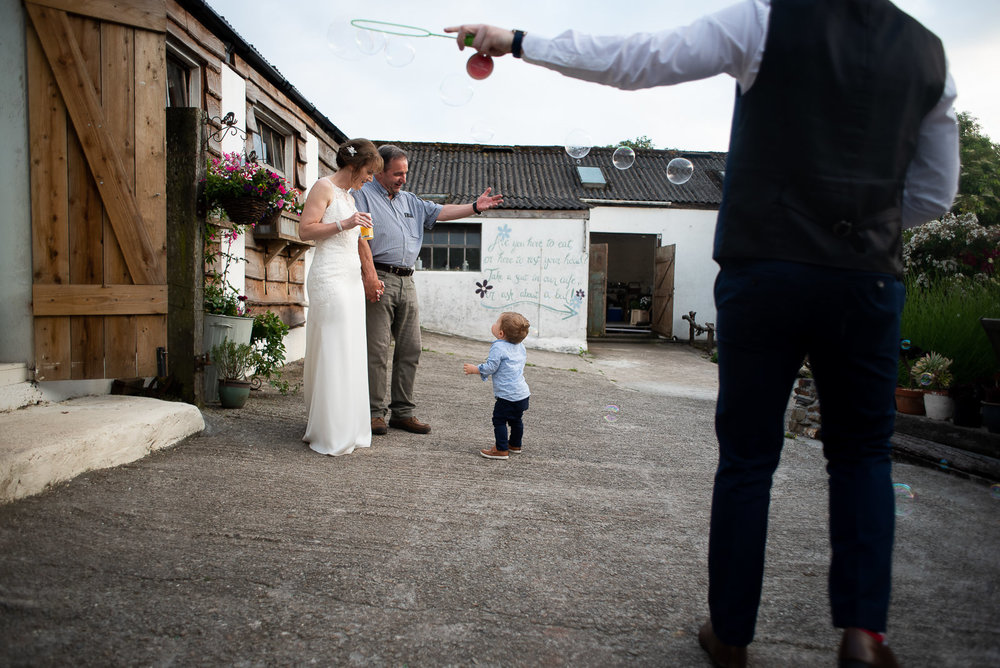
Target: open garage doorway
{"x": 635, "y": 301}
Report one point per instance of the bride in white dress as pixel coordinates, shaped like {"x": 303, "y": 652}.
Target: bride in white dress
{"x": 336, "y": 364}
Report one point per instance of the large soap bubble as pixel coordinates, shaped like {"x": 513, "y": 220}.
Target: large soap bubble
{"x": 344, "y": 39}
{"x": 679, "y": 170}
{"x": 578, "y": 143}
{"x": 399, "y": 52}
{"x": 623, "y": 157}
{"x": 455, "y": 90}
{"x": 369, "y": 42}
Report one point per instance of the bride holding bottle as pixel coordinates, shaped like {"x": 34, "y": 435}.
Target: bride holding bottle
{"x": 336, "y": 362}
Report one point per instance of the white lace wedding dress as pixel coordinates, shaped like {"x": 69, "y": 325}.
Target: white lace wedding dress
{"x": 336, "y": 363}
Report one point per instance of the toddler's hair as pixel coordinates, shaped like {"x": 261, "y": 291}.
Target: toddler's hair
{"x": 514, "y": 326}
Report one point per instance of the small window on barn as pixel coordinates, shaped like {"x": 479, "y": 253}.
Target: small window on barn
{"x": 452, "y": 247}
{"x": 183, "y": 78}
{"x": 591, "y": 177}
{"x": 271, "y": 140}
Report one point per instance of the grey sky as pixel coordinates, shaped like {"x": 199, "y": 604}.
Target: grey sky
{"x": 524, "y": 104}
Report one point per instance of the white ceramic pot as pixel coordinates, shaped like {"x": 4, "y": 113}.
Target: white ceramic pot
{"x": 938, "y": 406}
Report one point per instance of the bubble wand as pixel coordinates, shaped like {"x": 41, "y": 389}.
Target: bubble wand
{"x": 479, "y": 65}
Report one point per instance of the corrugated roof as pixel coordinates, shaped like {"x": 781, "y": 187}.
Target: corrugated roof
{"x": 545, "y": 177}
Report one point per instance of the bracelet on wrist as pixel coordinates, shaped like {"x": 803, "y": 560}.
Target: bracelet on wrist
{"x": 515, "y": 46}
{"x": 339, "y": 226}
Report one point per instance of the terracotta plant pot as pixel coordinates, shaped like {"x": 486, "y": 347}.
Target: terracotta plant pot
{"x": 909, "y": 401}
{"x": 938, "y": 405}
{"x": 233, "y": 393}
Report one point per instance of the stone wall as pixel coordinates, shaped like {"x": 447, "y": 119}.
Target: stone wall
{"x": 803, "y": 413}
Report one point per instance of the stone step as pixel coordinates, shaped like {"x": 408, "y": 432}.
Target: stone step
{"x": 12, "y": 373}
{"x": 19, "y": 395}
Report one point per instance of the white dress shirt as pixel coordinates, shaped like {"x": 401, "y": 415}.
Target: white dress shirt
{"x": 731, "y": 41}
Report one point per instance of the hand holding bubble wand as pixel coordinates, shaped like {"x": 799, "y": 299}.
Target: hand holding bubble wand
{"x": 479, "y": 66}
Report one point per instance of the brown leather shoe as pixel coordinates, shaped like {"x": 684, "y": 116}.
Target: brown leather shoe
{"x": 378, "y": 427}
{"x": 722, "y": 655}
{"x": 493, "y": 453}
{"x": 410, "y": 424}
{"x": 858, "y": 649}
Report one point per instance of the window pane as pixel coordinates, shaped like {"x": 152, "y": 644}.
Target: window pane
{"x": 274, "y": 146}
{"x": 439, "y": 258}
{"x": 433, "y": 237}
{"x": 473, "y": 238}
{"x": 425, "y": 257}
{"x": 177, "y": 84}
{"x": 472, "y": 257}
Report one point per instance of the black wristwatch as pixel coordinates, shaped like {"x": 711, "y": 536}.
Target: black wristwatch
{"x": 515, "y": 46}
{"x": 475, "y": 209}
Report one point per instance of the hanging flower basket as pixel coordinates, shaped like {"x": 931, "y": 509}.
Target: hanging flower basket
{"x": 245, "y": 210}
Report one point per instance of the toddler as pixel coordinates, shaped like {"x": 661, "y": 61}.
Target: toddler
{"x": 506, "y": 365}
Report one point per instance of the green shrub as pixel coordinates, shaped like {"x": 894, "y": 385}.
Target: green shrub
{"x": 944, "y": 318}
{"x": 268, "y": 337}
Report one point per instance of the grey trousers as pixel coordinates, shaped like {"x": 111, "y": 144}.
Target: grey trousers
{"x": 395, "y": 316}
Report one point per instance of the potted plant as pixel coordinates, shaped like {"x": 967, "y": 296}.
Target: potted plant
{"x": 933, "y": 374}
{"x": 909, "y": 399}
{"x": 233, "y": 363}
{"x": 246, "y": 191}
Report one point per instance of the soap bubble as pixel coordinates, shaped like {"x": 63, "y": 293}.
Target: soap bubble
{"x": 943, "y": 464}
{"x": 995, "y": 490}
{"x": 905, "y": 344}
{"x": 481, "y": 132}
{"x": 369, "y": 42}
{"x": 399, "y": 52}
{"x": 926, "y": 378}
{"x": 904, "y": 499}
{"x": 623, "y": 157}
{"x": 342, "y": 38}
{"x": 612, "y": 412}
{"x": 578, "y": 143}
{"x": 679, "y": 170}
{"x": 455, "y": 90}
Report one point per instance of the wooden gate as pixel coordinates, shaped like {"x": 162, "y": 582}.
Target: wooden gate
{"x": 663, "y": 291}
{"x": 597, "y": 297}
{"x": 96, "y": 103}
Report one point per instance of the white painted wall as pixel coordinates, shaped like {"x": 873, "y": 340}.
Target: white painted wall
{"x": 234, "y": 99}
{"x": 693, "y": 232}
{"x": 16, "y": 335}
{"x": 295, "y": 340}
{"x": 533, "y": 266}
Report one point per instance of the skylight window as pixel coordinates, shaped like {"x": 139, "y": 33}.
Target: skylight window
{"x": 591, "y": 177}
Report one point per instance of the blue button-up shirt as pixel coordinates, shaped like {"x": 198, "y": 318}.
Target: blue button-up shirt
{"x": 506, "y": 365}
{"x": 398, "y": 223}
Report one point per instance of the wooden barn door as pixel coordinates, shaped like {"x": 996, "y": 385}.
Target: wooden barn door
{"x": 663, "y": 291}
{"x": 96, "y": 103}
{"x": 597, "y": 297}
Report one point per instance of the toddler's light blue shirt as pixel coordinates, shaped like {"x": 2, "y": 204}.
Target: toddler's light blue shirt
{"x": 506, "y": 365}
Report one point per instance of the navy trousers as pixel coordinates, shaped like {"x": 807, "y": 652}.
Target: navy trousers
{"x": 508, "y": 413}
{"x": 770, "y": 315}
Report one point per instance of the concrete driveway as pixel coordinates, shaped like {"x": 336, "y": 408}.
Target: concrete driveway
{"x": 242, "y": 547}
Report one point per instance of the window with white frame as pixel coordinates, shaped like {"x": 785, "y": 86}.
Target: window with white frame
{"x": 183, "y": 77}
{"x": 271, "y": 139}
{"x": 452, "y": 247}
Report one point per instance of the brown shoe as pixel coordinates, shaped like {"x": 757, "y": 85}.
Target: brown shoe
{"x": 410, "y": 424}
{"x": 858, "y": 649}
{"x": 723, "y": 655}
{"x": 378, "y": 427}
{"x": 514, "y": 450}
{"x": 493, "y": 453}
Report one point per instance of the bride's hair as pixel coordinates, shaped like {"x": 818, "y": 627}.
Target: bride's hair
{"x": 358, "y": 154}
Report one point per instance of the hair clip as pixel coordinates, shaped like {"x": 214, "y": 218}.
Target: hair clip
{"x": 350, "y": 149}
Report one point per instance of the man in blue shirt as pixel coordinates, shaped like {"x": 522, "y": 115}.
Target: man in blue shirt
{"x": 399, "y": 219}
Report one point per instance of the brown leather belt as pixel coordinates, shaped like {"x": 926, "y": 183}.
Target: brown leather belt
{"x": 399, "y": 271}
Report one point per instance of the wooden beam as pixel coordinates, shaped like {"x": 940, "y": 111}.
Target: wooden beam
{"x": 147, "y": 14}
{"x": 53, "y": 300}
{"x": 63, "y": 53}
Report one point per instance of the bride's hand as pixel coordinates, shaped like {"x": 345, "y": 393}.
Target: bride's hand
{"x": 373, "y": 289}
{"x": 357, "y": 219}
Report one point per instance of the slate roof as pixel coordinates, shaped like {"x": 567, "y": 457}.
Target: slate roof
{"x": 545, "y": 177}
